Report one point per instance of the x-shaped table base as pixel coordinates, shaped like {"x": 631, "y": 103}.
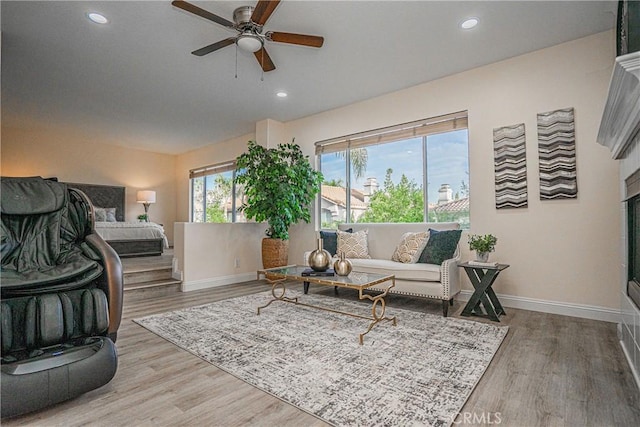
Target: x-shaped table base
{"x": 482, "y": 278}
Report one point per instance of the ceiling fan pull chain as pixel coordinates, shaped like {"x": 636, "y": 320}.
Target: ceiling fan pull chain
{"x": 262, "y": 64}
{"x": 236, "y": 61}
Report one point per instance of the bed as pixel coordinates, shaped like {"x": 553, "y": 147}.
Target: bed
{"x": 129, "y": 239}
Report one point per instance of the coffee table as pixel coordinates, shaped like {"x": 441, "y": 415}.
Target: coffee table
{"x": 279, "y": 276}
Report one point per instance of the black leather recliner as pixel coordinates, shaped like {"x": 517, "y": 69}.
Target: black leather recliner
{"x": 61, "y": 288}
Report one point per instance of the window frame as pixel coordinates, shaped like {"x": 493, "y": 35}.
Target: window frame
{"x": 209, "y": 170}
{"x": 423, "y": 128}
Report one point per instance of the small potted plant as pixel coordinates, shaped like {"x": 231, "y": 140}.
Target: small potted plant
{"x": 143, "y": 218}
{"x": 483, "y": 245}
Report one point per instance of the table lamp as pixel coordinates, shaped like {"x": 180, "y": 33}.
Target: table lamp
{"x": 146, "y": 197}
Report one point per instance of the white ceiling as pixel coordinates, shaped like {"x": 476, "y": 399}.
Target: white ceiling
{"x": 134, "y": 81}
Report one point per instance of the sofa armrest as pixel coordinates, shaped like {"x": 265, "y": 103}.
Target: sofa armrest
{"x": 305, "y": 260}
{"x": 450, "y": 277}
{"x": 113, "y": 287}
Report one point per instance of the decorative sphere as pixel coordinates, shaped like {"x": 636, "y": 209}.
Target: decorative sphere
{"x": 319, "y": 260}
{"x": 342, "y": 266}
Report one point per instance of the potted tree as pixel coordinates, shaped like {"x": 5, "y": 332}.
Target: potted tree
{"x": 279, "y": 185}
{"x": 482, "y": 245}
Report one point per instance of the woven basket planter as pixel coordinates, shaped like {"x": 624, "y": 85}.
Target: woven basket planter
{"x": 275, "y": 252}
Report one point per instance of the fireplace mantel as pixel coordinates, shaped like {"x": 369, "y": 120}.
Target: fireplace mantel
{"x": 621, "y": 118}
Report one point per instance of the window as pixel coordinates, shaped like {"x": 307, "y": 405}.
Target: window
{"x": 214, "y": 196}
{"x": 412, "y": 172}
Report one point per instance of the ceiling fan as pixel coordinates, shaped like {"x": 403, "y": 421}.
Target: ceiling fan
{"x": 248, "y": 22}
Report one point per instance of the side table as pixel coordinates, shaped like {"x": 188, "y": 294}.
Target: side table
{"x": 482, "y": 278}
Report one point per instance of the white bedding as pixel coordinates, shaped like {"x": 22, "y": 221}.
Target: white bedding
{"x": 131, "y": 231}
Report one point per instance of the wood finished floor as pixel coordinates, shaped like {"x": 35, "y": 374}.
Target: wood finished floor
{"x": 550, "y": 371}
{"x": 141, "y": 263}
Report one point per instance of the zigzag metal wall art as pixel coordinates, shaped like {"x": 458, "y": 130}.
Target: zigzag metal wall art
{"x": 510, "y": 166}
{"x": 557, "y": 155}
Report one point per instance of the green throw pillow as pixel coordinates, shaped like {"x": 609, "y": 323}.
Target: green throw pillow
{"x": 440, "y": 247}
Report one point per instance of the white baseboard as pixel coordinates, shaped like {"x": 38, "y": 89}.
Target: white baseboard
{"x": 636, "y": 376}
{"x": 195, "y": 285}
{"x": 554, "y": 307}
{"x": 175, "y": 273}
{"x": 628, "y": 355}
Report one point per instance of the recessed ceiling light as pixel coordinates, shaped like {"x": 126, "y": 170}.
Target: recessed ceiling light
{"x": 281, "y": 94}
{"x": 469, "y": 23}
{"x": 97, "y": 18}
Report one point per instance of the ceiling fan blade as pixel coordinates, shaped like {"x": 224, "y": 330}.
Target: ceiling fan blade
{"x": 263, "y": 11}
{"x": 301, "y": 39}
{"x": 202, "y": 13}
{"x": 264, "y": 60}
{"x": 215, "y": 46}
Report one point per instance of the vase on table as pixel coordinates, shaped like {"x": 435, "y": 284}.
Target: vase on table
{"x": 319, "y": 259}
{"x": 342, "y": 266}
{"x": 482, "y": 256}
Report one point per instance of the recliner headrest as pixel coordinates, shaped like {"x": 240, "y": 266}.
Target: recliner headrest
{"x": 32, "y": 195}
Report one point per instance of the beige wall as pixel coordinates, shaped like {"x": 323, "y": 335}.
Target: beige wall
{"x": 560, "y": 251}
{"x": 75, "y": 157}
{"x": 206, "y": 253}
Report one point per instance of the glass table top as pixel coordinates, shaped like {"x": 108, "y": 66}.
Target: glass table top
{"x": 355, "y": 278}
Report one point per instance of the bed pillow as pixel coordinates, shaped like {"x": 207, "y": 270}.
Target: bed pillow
{"x": 111, "y": 214}
{"x": 100, "y": 214}
{"x": 105, "y": 214}
{"x": 410, "y": 247}
{"x": 440, "y": 247}
{"x": 330, "y": 240}
{"x": 354, "y": 245}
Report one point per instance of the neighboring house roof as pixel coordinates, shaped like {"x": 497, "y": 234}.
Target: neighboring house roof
{"x": 459, "y": 205}
{"x": 337, "y": 196}
{"x": 357, "y": 194}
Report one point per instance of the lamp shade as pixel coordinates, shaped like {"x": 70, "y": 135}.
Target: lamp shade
{"x": 146, "y": 196}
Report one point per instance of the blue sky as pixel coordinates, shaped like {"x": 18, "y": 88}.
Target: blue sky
{"x": 447, "y": 162}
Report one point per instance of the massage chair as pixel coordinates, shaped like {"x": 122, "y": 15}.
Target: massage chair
{"x": 61, "y": 296}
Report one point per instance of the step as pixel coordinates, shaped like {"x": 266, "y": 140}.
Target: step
{"x": 153, "y": 284}
{"x": 147, "y": 275}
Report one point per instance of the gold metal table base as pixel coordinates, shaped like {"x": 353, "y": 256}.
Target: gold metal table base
{"x": 378, "y": 305}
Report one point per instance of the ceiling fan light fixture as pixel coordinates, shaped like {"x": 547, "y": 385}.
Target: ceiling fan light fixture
{"x": 249, "y": 42}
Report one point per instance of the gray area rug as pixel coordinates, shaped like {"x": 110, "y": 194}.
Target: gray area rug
{"x": 418, "y": 373}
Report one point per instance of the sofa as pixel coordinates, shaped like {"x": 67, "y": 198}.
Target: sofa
{"x": 436, "y": 281}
